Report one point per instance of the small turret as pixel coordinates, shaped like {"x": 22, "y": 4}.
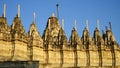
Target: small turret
{"x": 108, "y": 36}
{"x": 74, "y": 39}
{"x": 97, "y": 36}
{"x": 3, "y": 24}
{"x": 4, "y": 29}
{"x": 34, "y": 34}
{"x": 51, "y": 31}
{"x": 17, "y": 29}
{"x": 62, "y": 39}
{"x": 86, "y": 36}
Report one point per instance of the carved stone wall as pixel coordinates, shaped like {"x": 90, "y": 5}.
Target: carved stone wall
{"x": 53, "y": 49}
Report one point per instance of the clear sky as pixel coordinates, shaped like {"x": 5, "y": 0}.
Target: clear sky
{"x": 104, "y": 10}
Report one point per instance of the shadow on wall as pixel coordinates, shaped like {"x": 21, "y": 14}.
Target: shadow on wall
{"x": 19, "y": 64}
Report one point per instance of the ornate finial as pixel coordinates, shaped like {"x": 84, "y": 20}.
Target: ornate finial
{"x": 53, "y": 15}
{"x": 18, "y": 10}
{"x": 49, "y": 24}
{"x": 106, "y": 27}
{"x": 110, "y": 26}
{"x": 57, "y": 5}
{"x": 87, "y": 24}
{"x": 103, "y": 32}
{"x": 75, "y": 25}
{"x": 63, "y": 24}
{"x": 34, "y": 17}
{"x": 4, "y": 10}
{"x": 98, "y": 24}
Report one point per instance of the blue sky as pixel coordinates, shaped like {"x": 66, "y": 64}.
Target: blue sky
{"x": 104, "y": 10}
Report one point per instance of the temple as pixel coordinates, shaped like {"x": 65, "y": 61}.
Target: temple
{"x": 52, "y": 49}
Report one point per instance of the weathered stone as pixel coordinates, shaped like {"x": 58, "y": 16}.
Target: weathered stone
{"x": 54, "y": 50}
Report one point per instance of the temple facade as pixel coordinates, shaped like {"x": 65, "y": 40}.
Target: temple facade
{"x": 53, "y": 49}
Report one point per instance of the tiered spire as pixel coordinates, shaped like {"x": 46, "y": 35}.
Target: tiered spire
{"x": 54, "y": 25}
{"x": 74, "y": 39}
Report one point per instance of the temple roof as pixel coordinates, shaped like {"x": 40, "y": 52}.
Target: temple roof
{"x": 3, "y": 24}
{"x": 17, "y": 25}
{"x": 74, "y": 38}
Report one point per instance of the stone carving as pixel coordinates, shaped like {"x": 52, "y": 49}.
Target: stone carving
{"x": 53, "y": 49}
